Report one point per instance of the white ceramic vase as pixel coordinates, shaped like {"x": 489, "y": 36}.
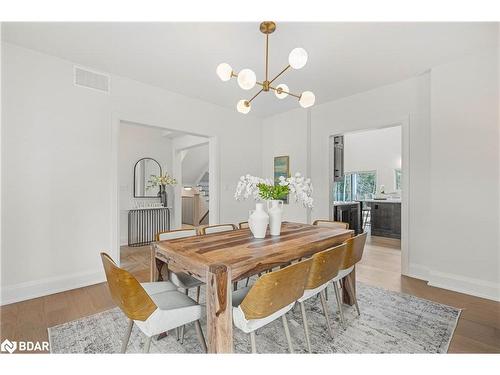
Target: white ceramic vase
{"x": 275, "y": 210}
{"x": 258, "y": 221}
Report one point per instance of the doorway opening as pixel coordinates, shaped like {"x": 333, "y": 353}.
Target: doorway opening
{"x": 194, "y": 162}
{"x": 369, "y": 184}
{"x": 146, "y": 206}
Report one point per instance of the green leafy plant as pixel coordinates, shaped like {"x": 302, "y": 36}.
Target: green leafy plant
{"x": 267, "y": 192}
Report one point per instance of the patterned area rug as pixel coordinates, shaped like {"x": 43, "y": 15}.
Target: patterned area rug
{"x": 390, "y": 322}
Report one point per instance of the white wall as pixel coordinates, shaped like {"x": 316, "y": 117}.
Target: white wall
{"x": 375, "y": 150}
{"x": 194, "y": 164}
{"x": 62, "y": 209}
{"x": 286, "y": 134}
{"x": 464, "y": 175}
{"x": 453, "y": 162}
{"x": 137, "y": 142}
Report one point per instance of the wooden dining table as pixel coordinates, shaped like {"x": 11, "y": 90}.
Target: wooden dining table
{"x": 219, "y": 259}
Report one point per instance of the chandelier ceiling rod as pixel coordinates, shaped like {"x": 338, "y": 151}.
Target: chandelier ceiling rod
{"x": 247, "y": 80}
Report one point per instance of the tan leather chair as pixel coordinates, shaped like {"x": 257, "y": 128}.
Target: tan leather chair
{"x": 154, "y": 307}
{"x": 331, "y": 224}
{"x": 325, "y": 267}
{"x": 271, "y": 297}
{"x": 354, "y": 252}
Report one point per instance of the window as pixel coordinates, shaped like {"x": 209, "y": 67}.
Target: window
{"x": 397, "y": 179}
{"x": 356, "y": 185}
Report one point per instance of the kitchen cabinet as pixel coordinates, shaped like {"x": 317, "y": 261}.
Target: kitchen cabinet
{"x": 385, "y": 218}
{"x": 348, "y": 212}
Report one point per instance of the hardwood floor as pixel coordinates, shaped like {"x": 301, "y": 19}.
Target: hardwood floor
{"x": 478, "y": 329}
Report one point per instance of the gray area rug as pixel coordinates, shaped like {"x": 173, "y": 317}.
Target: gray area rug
{"x": 390, "y": 322}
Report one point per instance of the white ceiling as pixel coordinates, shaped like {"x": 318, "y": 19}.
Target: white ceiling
{"x": 344, "y": 58}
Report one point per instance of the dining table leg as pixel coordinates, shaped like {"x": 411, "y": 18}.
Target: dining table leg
{"x": 346, "y": 297}
{"x": 156, "y": 266}
{"x": 219, "y": 309}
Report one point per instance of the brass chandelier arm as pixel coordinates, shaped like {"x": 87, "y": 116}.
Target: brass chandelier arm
{"x": 286, "y": 92}
{"x": 253, "y": 97}
{"x": 280, "y": 73}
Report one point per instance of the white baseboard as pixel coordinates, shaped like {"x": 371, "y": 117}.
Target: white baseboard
{"x": 38, "y": 288}
{"x": 418, "y": 271}
{"x": 456, "y": 283}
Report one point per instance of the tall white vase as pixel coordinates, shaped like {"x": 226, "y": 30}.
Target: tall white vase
{"x": 258, "y": 221}
{"x": 275, "y": 210}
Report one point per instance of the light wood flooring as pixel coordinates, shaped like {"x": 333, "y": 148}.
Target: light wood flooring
{"x": 478, "y": 329}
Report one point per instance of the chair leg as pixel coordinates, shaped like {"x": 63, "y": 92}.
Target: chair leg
{"x": 287, "y": 334}
{"x": 199, "y": 333}
{"x": 339, "y": 304}
{"x": 326, "y": 293}
{"x": 198, "y": 294}
{"x": 246, "y": 284}
{"x": 306, "y": 328}
{"x": 177, "y": 333}
{"x": 252, "y": 342}
{"x": 325, "y": 311}
{"x": 161, "y": 336}
{"x": 235, "y": 286}
{"x": 147, "y": 344}
{"x": 182, "y": 334}
{"x": 127, "y": 336}
{"x": 352, "y": 293}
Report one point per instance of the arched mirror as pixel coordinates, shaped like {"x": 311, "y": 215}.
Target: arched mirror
{"x": 144, "y": 169}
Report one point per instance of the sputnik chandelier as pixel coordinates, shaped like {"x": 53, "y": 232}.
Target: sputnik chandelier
{"x": 247, "y": 79}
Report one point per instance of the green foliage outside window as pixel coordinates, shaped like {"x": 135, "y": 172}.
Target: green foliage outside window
{"x": 356, "y": 185}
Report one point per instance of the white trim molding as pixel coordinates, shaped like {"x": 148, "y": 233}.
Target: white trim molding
{"x": 44, "y": 287}
{"x": 457, "y": 283}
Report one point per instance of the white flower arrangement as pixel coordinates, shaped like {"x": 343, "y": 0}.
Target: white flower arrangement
{"x": 161, "y": 180}
{"x": 264, "y": 189}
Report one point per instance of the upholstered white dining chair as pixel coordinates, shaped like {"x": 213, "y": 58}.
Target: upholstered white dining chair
{"x": 244, "y": 225}
{"x": 181, "y": 279}
{"x": 220, "y": 228}
{"x": 153, "y": 307}
{"x": 353, "y": 254}
{"x": 217, "y": 228}
{"x": 270, "y": 298}
{"x": 331, "y": 224}
{"x": 325, "y": 267}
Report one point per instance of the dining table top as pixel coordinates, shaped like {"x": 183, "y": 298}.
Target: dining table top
{"x": 245, "y": 255}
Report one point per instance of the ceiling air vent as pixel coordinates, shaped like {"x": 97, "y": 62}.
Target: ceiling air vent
{"x": 91, "y": 79}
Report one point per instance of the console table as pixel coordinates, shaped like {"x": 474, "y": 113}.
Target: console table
{"x": 145, "y": 223}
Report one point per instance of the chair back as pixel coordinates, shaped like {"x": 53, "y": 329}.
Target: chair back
{"x": 354, "y": 250}
{"x": 126, "y": 291}
{"x": 217, "y": 228}
{"x": 331, "y": 224}
{"x": 173, "y": 234}
{"x": 243, "y": 225}
{"x": 275, "y": 290}
{"x": 325, "y": 266}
